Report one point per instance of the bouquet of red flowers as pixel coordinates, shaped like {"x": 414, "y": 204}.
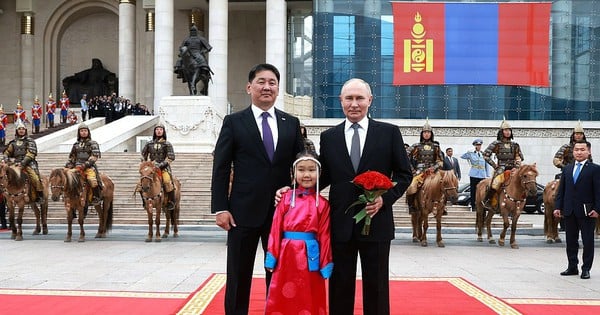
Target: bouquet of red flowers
{"x": 373, "y": 184}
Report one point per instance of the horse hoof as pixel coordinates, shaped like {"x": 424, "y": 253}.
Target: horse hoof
{"x": 81, "y": 240}
{"x": 514, "y": 246}
{"x": 549, "y": 241}
{"x": 176, "y": 235}
{"x": 557, "y": 240}
{"x": 68, "y": 240}
{"x": 480, "y": 239}
{"x": 45, "y": 232}
{"x": 165, "y": 236}
{"x": 424, "y": 244}
{"x": 492, "y": 241}
{"x": 500, "y": 243}
{"x": 19, "y": 238}
{"x": 157, "y": 240}
{"x": 148, "y": 240}
{"x": 441, "y": 244}
{"x": 415, "y": 240}
{"x": 35, "y": 233}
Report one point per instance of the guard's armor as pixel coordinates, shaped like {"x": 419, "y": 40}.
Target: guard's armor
{"x": 24, "y": 150}
{"x": 563, "y": 156}
{"x": 85, "y": 150}
{"x": 508, "y": 153}
{"x": 425, "y": 155}
{"x": 159, "y": 151}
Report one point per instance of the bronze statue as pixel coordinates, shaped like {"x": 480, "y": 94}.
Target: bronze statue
{"x": 192, "y": 67}
{"x": 96, "y": 81}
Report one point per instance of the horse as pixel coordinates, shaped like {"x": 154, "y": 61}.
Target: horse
{"x": 153, "y": 197}
{"x": 16, "y": 186}
{"x": 511, "y": 199}
{"x": 431, "y": 198}
{"x": 550, "y": 221}
{"x": 71, "y": 184}
{"x": 194, "y": 71}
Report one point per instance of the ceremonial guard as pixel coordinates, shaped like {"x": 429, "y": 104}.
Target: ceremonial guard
{"x": 3, "y": 123}
{"x": 20, "y": 114}
{"x": 426, "y": 158}
{"x": 64, "y": 107}
{"x": 24, "y": 151}
{"x": 36, "y": 115}
{"x": 72, "y": 118}
{"x": 84, "y": 154}
{"x": 564, "y": 155}
{"x": 509, "y": 156}
{"x": 50, "y": 110}
{"x": 160, "y": 151}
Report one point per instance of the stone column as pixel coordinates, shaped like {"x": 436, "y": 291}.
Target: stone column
{"x": 148, "y": 76}
{"x": 163, "y": 53}
{"x": 127, "y": 51}
{"x": 276, "y": 38}
{"x": 27, "y": 62}
{"x": 218, "y": 17}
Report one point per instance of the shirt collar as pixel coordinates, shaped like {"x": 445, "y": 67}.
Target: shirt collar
{"x": 363, "y": 123}
{"x": 257, "y": 112}
{"x": 582, "y": 162}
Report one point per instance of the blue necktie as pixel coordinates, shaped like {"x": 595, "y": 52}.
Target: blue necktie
{"x": 577, "y": 171}
{"x": 267, "y": 136}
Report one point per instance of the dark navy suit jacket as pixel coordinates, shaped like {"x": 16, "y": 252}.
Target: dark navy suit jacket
{"x": 571, "y": 196}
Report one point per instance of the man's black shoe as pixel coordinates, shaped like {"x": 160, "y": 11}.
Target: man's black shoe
{"x": 571, "y": 272}
{"x": 585, "y": 274}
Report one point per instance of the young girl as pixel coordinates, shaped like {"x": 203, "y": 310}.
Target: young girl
{"x": 299, "y": 251}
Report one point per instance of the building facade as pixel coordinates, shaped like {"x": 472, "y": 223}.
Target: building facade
{"x": 316, "y": 44}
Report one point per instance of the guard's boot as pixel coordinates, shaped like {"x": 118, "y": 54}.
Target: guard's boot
{"x": 96, "y": 198}
{"x": 488, "y": 197}
{"x": 171, "y": 200}
{"x": 37, "y": 129}
{"x": 410, "y": 200}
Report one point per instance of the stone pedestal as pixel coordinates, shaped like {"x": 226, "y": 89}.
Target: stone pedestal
{"x": 191, "y": 122}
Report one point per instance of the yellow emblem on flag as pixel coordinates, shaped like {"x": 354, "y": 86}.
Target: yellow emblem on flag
{"x": 418, "y": 51}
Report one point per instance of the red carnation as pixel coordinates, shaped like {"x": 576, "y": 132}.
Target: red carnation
{"x": 373, "y": 184}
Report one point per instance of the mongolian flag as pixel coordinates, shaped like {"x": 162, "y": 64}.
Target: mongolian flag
{"x": 471, "y": 43}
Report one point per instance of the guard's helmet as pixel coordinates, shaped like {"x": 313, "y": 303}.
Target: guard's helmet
{"x": 19, "y": 106}
{"x": 578, "y": 127}
{"x": 427, "y": 126}
{"x": 83, "y": 126}
{"x": 20, "y": 125}
{"x": 505, "y": 124}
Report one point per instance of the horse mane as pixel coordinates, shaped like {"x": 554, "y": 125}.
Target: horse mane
{"x": 528, "y": 168}
{"x": 73, "y": 184}
{"x": 434, "y": 181}
{"x": 15, "y": 177}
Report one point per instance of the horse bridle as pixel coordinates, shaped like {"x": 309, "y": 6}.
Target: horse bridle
{"x": 151, "y": 179}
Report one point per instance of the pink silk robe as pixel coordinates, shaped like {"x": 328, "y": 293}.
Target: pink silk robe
{"x": 294, "y": 289}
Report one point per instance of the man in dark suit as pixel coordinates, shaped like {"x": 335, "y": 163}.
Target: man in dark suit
{"x": 260, "y": 143}
{"x": 451, "y": 163}
{"x": 381, "y": 149}
{"x": 578, "y": 201}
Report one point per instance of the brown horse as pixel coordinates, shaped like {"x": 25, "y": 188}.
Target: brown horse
{"x": 153, "y": 197}
{"x": 511, "y": 199}
{"x": 71, "y": 184}
{"x": 550, "y": 221}
{"x": 431, "y": 198}
{"x": 16, "y": 187}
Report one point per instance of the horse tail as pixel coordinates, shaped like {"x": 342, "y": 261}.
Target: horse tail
{"x": 109, "y": 217}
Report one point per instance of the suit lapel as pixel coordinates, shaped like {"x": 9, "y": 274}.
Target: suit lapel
{"x": 250, "y": 125}
{"x": 370, "y": 144}
{"x": 283, "y": 129}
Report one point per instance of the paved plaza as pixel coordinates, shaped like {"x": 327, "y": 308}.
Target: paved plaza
{"x": 124, "y": 262}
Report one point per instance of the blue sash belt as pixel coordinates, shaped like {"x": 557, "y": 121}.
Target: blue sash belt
{"x": 312, "y": 247}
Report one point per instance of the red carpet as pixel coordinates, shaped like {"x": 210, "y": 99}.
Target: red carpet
{"x": 50, "y": 302}
{"x": 408, "y": 296}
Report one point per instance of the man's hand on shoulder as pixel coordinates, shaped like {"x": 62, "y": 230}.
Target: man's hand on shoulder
{"x": 280, "y": 193}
